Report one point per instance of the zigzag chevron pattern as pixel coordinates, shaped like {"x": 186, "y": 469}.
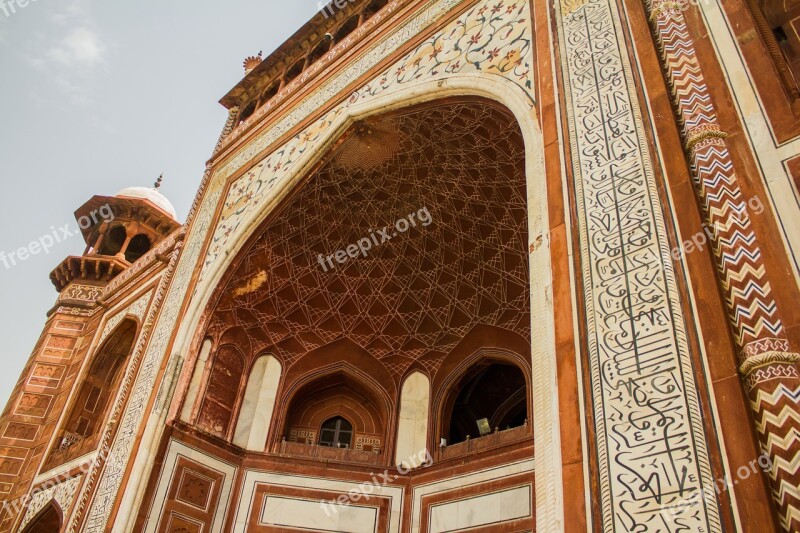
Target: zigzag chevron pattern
{"x": 748, "y": 293}
{"x": 778, "y": 424}
{"x": 775, "y": 386}
{"x": 785, "y": 443}
{"x": 760, "y": 398}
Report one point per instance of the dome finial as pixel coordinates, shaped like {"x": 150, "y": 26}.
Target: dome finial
{"x": 157, "y": 184}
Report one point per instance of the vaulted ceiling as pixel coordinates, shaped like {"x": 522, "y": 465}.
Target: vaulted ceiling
{"x": 415, "y": 296}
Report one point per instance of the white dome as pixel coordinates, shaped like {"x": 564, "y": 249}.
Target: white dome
{"x": 148, "y": 193}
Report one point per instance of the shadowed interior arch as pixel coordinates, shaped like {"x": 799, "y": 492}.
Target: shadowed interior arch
{"x": 97, "y": 391}
{"x": 332, "y": 397}
{"x": 491, "y": 395}
{"x": 49, "y": 520}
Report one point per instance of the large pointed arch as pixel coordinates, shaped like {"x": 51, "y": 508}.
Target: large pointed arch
{"x": 548, "y": 457}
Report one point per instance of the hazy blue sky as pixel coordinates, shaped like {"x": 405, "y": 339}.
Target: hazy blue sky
{"x": 96, "y": 96}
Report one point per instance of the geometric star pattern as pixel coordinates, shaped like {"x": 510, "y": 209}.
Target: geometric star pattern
{"x": 415, "y": 296}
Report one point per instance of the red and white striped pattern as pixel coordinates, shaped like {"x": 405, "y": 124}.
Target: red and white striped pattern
{"x": 767, "y": 367}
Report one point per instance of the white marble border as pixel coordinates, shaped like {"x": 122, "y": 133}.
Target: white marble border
{"x": 66, "y": 468}
{"x": 527, "y": 488}
{"x": 622, "y": 231}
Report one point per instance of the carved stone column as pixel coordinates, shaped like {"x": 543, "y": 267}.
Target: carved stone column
{"x": 767, "y": 365}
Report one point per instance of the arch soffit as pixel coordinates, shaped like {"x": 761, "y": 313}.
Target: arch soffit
{"x": 515, "y": 99}
{"x": 499, "y": 90}
{"x": 347, "y": 357}
{"x": 382, "y": 398}
{"x": 482, "y": 342}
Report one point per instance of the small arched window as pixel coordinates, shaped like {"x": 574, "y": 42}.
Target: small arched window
{"x": 373, "y": 8}
{"x": 294, "y": 71}
{"x": 270, "y": 92}
{"x": 113, "y": 241}
{"x": 248, "y": 112}
{"x": 320, "y": 50}
{"x": 337, "y": 410}
{"x": 138, "y": 246}
{"x": 346, "y": 29}
{"x": 336, "y": 432}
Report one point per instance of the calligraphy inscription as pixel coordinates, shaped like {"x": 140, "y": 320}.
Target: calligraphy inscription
{"x": 650, "y": 439}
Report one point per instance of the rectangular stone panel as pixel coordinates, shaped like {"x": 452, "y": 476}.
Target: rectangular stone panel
{"x": 192, "y": 485}
{"x": 485, "y": 510}
{"x": 46, "y": 375}
{"x": 69, "y": 325}
{"x": 11, "y": 461}
{"x": 20, "y": 431}
{"x": 34, "y": 405}
{"x": 184, "y": 524}
{"x": 59, "y": 346}
{"x": 307, "y": 514}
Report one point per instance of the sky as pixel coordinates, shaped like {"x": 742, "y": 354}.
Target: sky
{"x": 96, "y": 96}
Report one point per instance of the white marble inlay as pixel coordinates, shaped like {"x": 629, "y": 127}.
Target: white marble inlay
{"x": 412, "y": 431}
{"x": 335, "y": 488}
{"x": 258, "y": 404}
{"x": 483, "y": 510}
{"x": 651, "y": 443}
{"x": 305, "y": 514}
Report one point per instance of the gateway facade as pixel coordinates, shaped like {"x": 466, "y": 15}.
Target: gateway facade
{"x": 454, "y": 265}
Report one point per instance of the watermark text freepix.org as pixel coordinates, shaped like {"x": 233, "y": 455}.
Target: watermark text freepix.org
{"x": 701, "y": 238}
{"x": 363, "y": 491}
{"x": 708, "y": 494}
{"x": 376, "y": 238}
{"x": 9, "y": 7}
{"x": 330, "y": 8}
{"x": 43, "y": 244}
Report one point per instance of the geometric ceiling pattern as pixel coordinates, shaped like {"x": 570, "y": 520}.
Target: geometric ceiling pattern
{"x": 415, "y": 296}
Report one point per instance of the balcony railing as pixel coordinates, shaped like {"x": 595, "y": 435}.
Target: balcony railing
{"x": 70, "y": 446}
{"x": 492, "y": 440}
{"x": 325, "y": 453}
